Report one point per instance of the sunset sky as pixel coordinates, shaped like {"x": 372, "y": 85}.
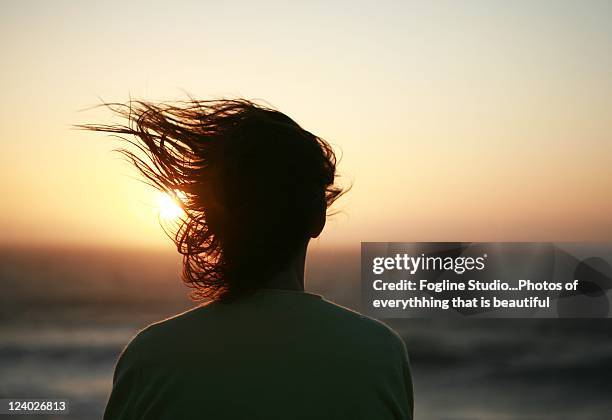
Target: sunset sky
{"x": 455, "y": 120}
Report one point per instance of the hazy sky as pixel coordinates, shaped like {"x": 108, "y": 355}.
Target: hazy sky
{"x": 458, "y": 120}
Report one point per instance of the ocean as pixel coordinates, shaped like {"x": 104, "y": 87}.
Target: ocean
{"x": 66, "y": 314}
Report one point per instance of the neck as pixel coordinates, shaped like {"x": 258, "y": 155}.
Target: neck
{"x": 292, "y": 276}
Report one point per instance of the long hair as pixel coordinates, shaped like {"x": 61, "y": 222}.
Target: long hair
{"x": 249, "y": 179}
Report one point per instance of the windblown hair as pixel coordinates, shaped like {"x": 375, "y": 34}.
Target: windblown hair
{"x": 249, "y": 179}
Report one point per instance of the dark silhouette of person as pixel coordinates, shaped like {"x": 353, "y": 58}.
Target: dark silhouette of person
{"x": 255, "y": 187}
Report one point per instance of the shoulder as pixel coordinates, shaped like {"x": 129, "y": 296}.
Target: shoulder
{"x": 143, "y": 363}
{"x": 157, "y": 338}
{"x": 369, "y": 328}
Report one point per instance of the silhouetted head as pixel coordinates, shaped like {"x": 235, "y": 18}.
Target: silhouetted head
{"x": 254, "y": 186}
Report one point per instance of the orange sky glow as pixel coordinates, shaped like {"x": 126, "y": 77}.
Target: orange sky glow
{"x": 455, "y": 121}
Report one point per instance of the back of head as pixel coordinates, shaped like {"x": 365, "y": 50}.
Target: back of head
{"x": 254, "y": 186}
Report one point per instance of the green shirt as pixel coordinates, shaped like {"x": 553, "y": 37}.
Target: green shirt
{"x": 276, "y": 354}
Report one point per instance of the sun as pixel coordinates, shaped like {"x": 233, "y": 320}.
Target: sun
{"x": 168, "y": 207}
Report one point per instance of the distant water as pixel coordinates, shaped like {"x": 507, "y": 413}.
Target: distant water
{"x": 66, "y": 314}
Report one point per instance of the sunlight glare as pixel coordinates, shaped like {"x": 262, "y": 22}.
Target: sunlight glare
{"x": 168, "y": 208}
